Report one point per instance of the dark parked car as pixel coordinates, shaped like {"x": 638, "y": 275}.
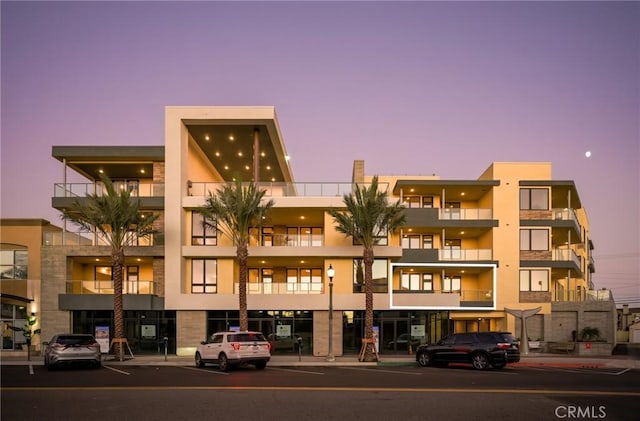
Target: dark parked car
{"x": 481, "y": 349}
{"x": 72, "y": 348}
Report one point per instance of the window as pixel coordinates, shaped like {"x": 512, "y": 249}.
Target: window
{"x": 451, "y": 283}
{"x": 427, "y": 201}
{"x": 533, "y": 199}
{"x": 13, "y": 264}
{"x": 310, "y": 236}
{"x": 132, "y": 286}
{"x": 451, "y": 210}
{"x": 379, "y": 275}
{"x": 452, "y": 249}
{"x": 414, "y": 281}
{"x": 534, "y": 280}
{"x": 204, "y": 276}
{"x": 203, "y": 232}
{"x": 411, "y": 242}
{"x": 306, "y": 280}
{"x": 411, "y": 201}
{"x": 534, "y": 239}
{"x": 427, "y": 241}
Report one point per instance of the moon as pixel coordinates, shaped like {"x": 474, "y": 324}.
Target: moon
{"x": 587, "y": 154}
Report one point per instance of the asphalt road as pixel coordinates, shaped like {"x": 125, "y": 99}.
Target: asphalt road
{"x": 318, "y": 393}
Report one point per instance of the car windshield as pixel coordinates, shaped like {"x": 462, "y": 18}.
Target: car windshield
{"x": 75, "y": 340}
{"x": 246, "y": 337}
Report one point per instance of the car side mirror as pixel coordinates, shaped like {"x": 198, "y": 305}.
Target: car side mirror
{"x": 203, "y": 342}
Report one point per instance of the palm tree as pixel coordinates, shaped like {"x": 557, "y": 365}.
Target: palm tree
{"x": 234, "y": 210}
{"x": 367, "y": 218}
{"x": 117, "y": 216}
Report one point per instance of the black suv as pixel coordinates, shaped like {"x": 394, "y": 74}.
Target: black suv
{"x": 481, "y": 349}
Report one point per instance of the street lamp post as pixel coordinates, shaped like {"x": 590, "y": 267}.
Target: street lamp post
{"x": 330, "y": 273}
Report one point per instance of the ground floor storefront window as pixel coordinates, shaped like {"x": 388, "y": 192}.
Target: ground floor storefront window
{"x": 13, "y": 315}
{"x": 145, "y": 330}
{"x": 289, "y": 331}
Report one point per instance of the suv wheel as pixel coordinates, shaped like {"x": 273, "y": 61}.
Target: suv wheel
{"x": 480, "y": 361}
{"x": 424, "y": 359}
{"x": 199, "y": 362}
{"x": 223, "y": 363}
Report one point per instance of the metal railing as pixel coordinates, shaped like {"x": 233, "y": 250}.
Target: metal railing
{"x": 137, "y": 189}
{"x": 90, "y": 287}
{"x": 84, "y": 238}
{"x": 465, "y": 254}
{"x": 285, "y": 240}
{"x": 483, "y": 295}
{"x": 465, "y": 214}
{"x": 566, "y": 255}
{"x": 282, "y": 288}
{"x": 285, "y": 189}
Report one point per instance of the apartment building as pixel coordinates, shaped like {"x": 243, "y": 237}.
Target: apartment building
{"x": 20, "y": 244}
{"x": 514, "y": 238}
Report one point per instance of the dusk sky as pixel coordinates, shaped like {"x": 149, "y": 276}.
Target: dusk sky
{"x": 411, "y": 88}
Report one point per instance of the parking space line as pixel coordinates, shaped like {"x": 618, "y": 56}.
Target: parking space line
{"x": 620, "y": 372}
{"x": 116, "y": 370}
{"x": 31, "y": 369}
{"x": 295, "y": 370}
{"x": 377, "y": 370}
{"x": 222, "y": 373}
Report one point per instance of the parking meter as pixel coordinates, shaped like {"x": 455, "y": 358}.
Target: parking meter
{"x": 166, "y": 345}
{"x": 300, "y": 346}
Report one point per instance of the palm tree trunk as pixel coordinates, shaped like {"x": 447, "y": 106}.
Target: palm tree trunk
{"x": 369, "y": 354}
{"x": 118, "y": 320}
{"x": 243, "y": 254}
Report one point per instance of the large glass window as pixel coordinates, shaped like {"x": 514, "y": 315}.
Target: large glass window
{"x": 204, "y": 276}
{"x": 451, "y": 283}
{"x": 534, "y": 199}
{"x": 203, "y": 232}
{"x": 534, "y": 239}
{"x": 13, "y": 264}
{"x": 415, "y": 281}
{"x": 452, "y": 249}
{"x": 534, "y": 280}
{"x": 379, "y": 275}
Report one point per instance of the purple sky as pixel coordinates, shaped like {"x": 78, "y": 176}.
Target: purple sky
{"x": 411, "y": 88}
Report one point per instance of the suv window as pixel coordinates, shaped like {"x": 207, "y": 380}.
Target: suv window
{"x": 246, "y": 337}
{"x": 217, "y": 339}
{"x": 464, "y": 338}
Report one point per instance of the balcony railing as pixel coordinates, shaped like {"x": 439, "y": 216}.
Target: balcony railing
{"x": 583, "y": 295}
{"x": 282, "y": 288}
{"x": 285, "y": 240}
{"x": 84, "y": 238}
{"x": 483, "y": 295}
{"x": 465, "y": 214}
{"x": 82, "y": 287}
{"x": 566, "y": 214}
{"x": 285, "y": 189}
{"x": 137, "y": 189}
{"x": 465, "y": 254}
{"x": 566, "y": 255}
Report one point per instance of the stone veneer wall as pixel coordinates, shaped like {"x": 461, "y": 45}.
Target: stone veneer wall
{"x": 321, "y": 333}
{"x": 190, "y": 331}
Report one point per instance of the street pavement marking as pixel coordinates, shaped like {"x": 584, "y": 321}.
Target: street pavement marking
{"x": 295, "y": 370}
{"x": 116, "y": 370}
{"x": 31, "y": 369}
{"x": 222, "y": 373}
{"x": 377, "y": 370}
{"x": 619, "y": 372}
{"x": 331, "y": 389}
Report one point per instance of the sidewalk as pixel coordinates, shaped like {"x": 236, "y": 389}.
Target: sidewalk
{"x": 531, "y": 360}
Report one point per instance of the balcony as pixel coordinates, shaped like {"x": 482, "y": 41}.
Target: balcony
{"x": 84, "y": 238}
{"x": 282, "y": 288}
{"x": 465, "y": 214}
{"x": 137, "y": 189}
{"x": 465, "y": 254}
{"x": 92, "y": 287}
{"x": 443, "y": 298}
{"x": 285, "y": 189}
{"x": 286, "y": 240}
